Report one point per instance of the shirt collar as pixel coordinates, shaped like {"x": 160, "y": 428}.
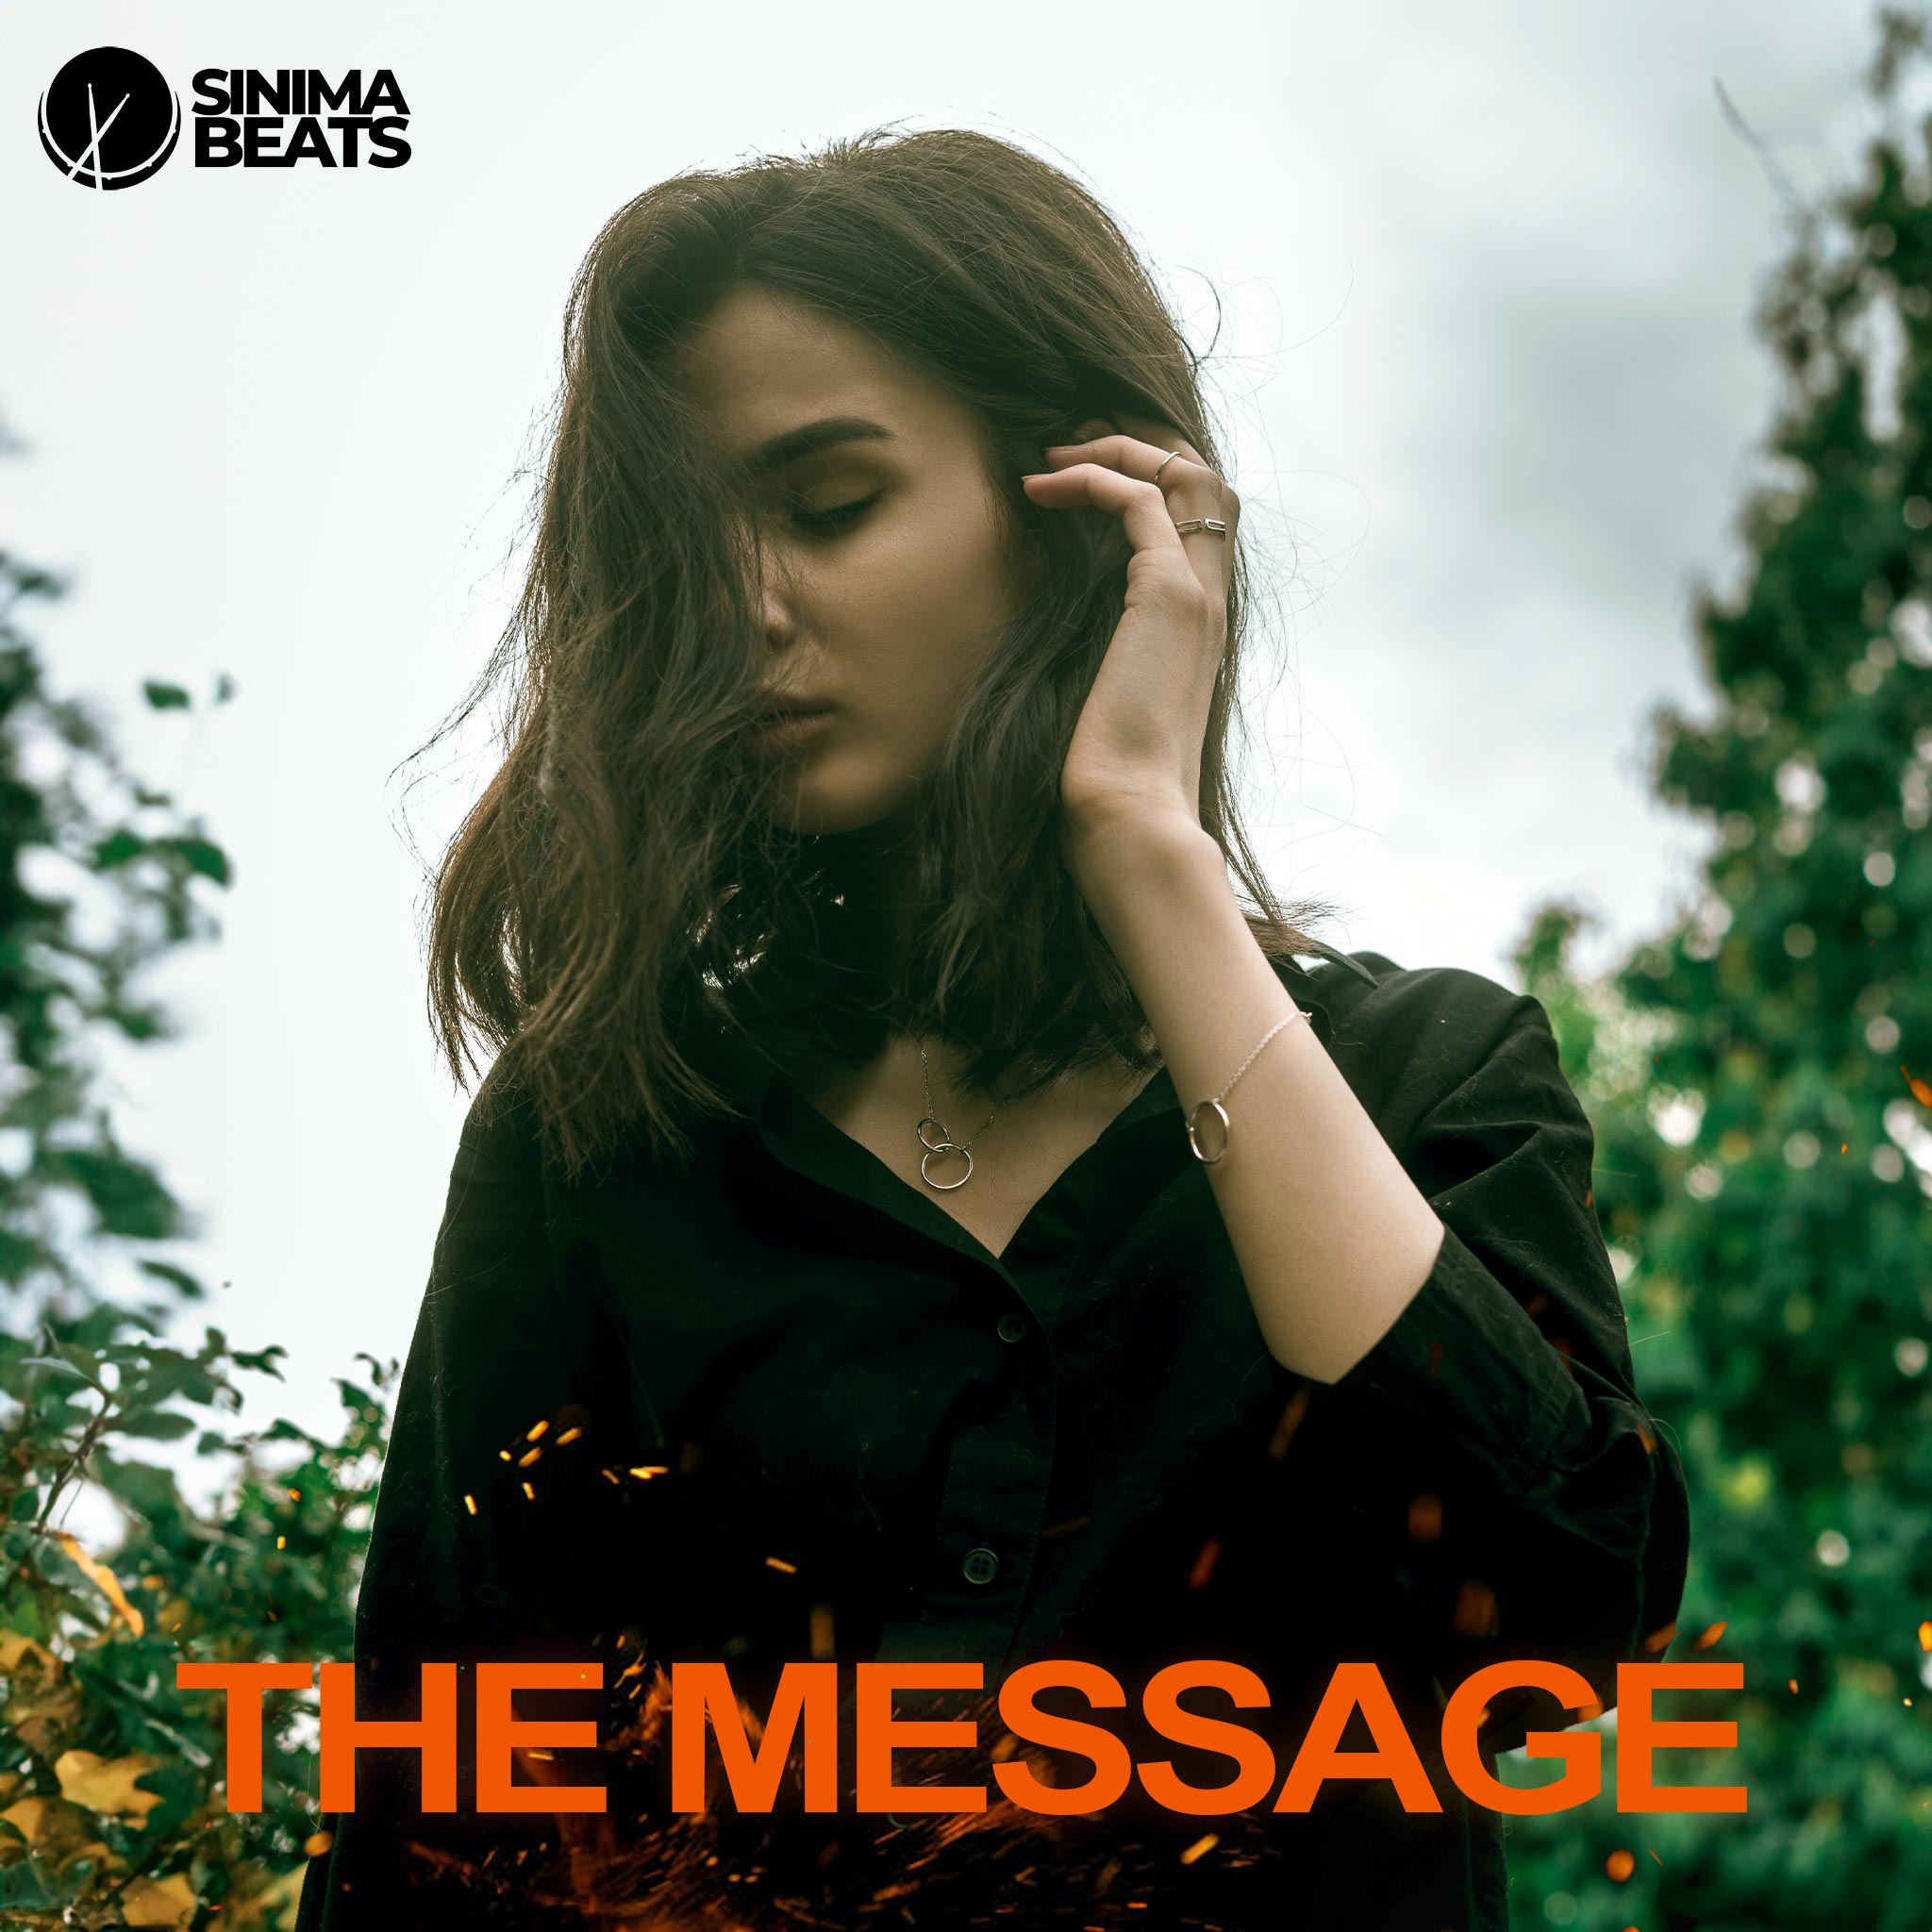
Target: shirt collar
{"x": 1313, "y": 991}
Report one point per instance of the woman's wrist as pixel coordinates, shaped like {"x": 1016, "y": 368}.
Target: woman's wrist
{"x": 1124, "y": 844}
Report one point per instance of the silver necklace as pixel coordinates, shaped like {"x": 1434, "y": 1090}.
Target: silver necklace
{"x": 945, "y": 1143}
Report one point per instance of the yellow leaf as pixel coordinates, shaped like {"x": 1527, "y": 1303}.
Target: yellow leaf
{"x": 58, "y": 1831}
{"x": 25, "y": 1815}
{"x": 158, "y": 1901}
{"x": 104, "y": 1580}
{"x": 14, "y": 1647}
{"x": 107, "y": 1784}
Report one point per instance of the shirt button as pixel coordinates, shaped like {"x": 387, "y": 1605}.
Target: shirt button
{"x": 979, "y": 1566}
{"x": 1012, "y": 1327}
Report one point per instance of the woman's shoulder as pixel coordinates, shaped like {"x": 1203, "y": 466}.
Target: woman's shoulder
{"x": 1425, "y": 1022}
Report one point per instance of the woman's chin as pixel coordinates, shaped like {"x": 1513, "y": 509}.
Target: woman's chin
{"x": 806, "y": 807}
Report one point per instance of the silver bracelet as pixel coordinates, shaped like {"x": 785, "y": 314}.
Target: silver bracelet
{"x": 1194, "y": 1113}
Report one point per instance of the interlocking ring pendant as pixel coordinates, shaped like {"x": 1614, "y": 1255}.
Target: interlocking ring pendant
{"x": 945, "y": 1140}
{"x": 945, "y": 1147}
{"x": 1194, "y": 1136}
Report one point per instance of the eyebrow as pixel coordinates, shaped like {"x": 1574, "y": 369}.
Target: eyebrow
{"x": 810, "y": 436}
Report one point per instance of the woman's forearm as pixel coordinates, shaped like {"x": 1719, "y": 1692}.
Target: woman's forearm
{"x": 1332, "y": 1237}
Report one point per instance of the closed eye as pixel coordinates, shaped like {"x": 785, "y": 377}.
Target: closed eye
{"x": 829, "y": 522}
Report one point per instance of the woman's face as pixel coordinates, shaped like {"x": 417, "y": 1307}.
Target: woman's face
{"x": 886, "y": 580}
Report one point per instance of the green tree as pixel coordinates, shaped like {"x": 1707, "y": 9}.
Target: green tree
{"x": 1760, "y": 1077}
{"x": 112, "y": 1807}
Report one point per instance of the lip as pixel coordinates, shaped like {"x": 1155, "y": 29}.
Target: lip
{"x": 786, "y": 727}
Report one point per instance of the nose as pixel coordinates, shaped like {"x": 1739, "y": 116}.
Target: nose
{"x": 775, "y": 597}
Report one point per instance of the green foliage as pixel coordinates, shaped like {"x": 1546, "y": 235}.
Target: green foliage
{"x": 1760, "y": 1078}
{"x": 112, "y": 1807}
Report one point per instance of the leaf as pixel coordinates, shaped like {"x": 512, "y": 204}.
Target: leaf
{"x": 202, "y": 854}
{"x": 104, "y": 1580}
{"x": 55, "y": 1361}
{"x": 158, "y": 1902}
{"x": 165, "y": 697}
{"x": 157, "y": 1425}
{"x": 14, "y": 1647}
{"x": 179, "y": 1277}
{"x": 108, "y": 1785}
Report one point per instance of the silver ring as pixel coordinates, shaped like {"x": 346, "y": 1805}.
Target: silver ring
{"x": 1213, "y": 524}
{"x": 1194, "y": 1138}
{"x": 946, "y": 1186}
{"x": 945, "y": 1140}
{"x": 1163, "y": 463}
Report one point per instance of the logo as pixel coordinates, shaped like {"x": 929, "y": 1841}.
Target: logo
{"x": 110, "y": 119}
{"x": 246, "y": 118}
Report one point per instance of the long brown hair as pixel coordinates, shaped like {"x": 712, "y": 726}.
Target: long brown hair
{"x": 621, "y": 900}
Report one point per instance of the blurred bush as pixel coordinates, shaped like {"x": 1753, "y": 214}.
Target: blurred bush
{"x": 111, "y": 1780}
{"x": 1760, "y": 1080}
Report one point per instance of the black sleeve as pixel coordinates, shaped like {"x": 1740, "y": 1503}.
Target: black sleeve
{"x": 1501, "y": 1472}
{"x": 480, "y": 1550}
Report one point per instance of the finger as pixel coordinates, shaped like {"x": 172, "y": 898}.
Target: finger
{"x": 1191, "y": 488}
{"x": 1151, "y": 430}
{"x": 1146, "y": 516}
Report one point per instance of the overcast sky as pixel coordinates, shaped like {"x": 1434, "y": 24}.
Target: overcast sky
{"x": 1487, "y": 274}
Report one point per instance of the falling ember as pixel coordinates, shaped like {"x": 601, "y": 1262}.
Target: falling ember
{"x": 1707, "y": 1638}
{"x": 1926, "y": 1634}
{"x": 1290, "y": 1421}
{"x": 1426, "y": 1517}
{"x": 317, "y": 1843}
{"x": 1648, "y": 1440}
{"x": 1920, "y": 1092}
{"x": 1654, "y": 1855}
{"x": 535, "y": 1430}
{"x": 1659, "y": 1639}
{"x": 568, "y": 1436}
{"x": 1476, "y": 1610}
{"x": 527, "y": 1491}
{"x": 780, "y": 1563}
{"x": 528, "y": 1457}
{"x": 294, "y": 1496}
{"x": 1791, "y": 1685}
{"x": 469, "y": 1503}
{"x": 1619, "y": 1865}
{"x": 1201, "y": 1847}
{"x": 281, "y": 1543}
{"x": 644, "y": 1472}
{"x": 1204, "y": 1563}
{"x": 506, "y": 1455}
{"x": 821, "y": 1649}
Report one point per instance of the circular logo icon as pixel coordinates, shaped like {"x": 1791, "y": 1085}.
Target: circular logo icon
{"x": 110, "y": 118}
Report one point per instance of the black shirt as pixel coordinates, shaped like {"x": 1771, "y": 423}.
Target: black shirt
{"x": 879, "y": 1441}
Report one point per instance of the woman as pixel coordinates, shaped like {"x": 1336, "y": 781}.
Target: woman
{"x": 917, "y": 1212}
